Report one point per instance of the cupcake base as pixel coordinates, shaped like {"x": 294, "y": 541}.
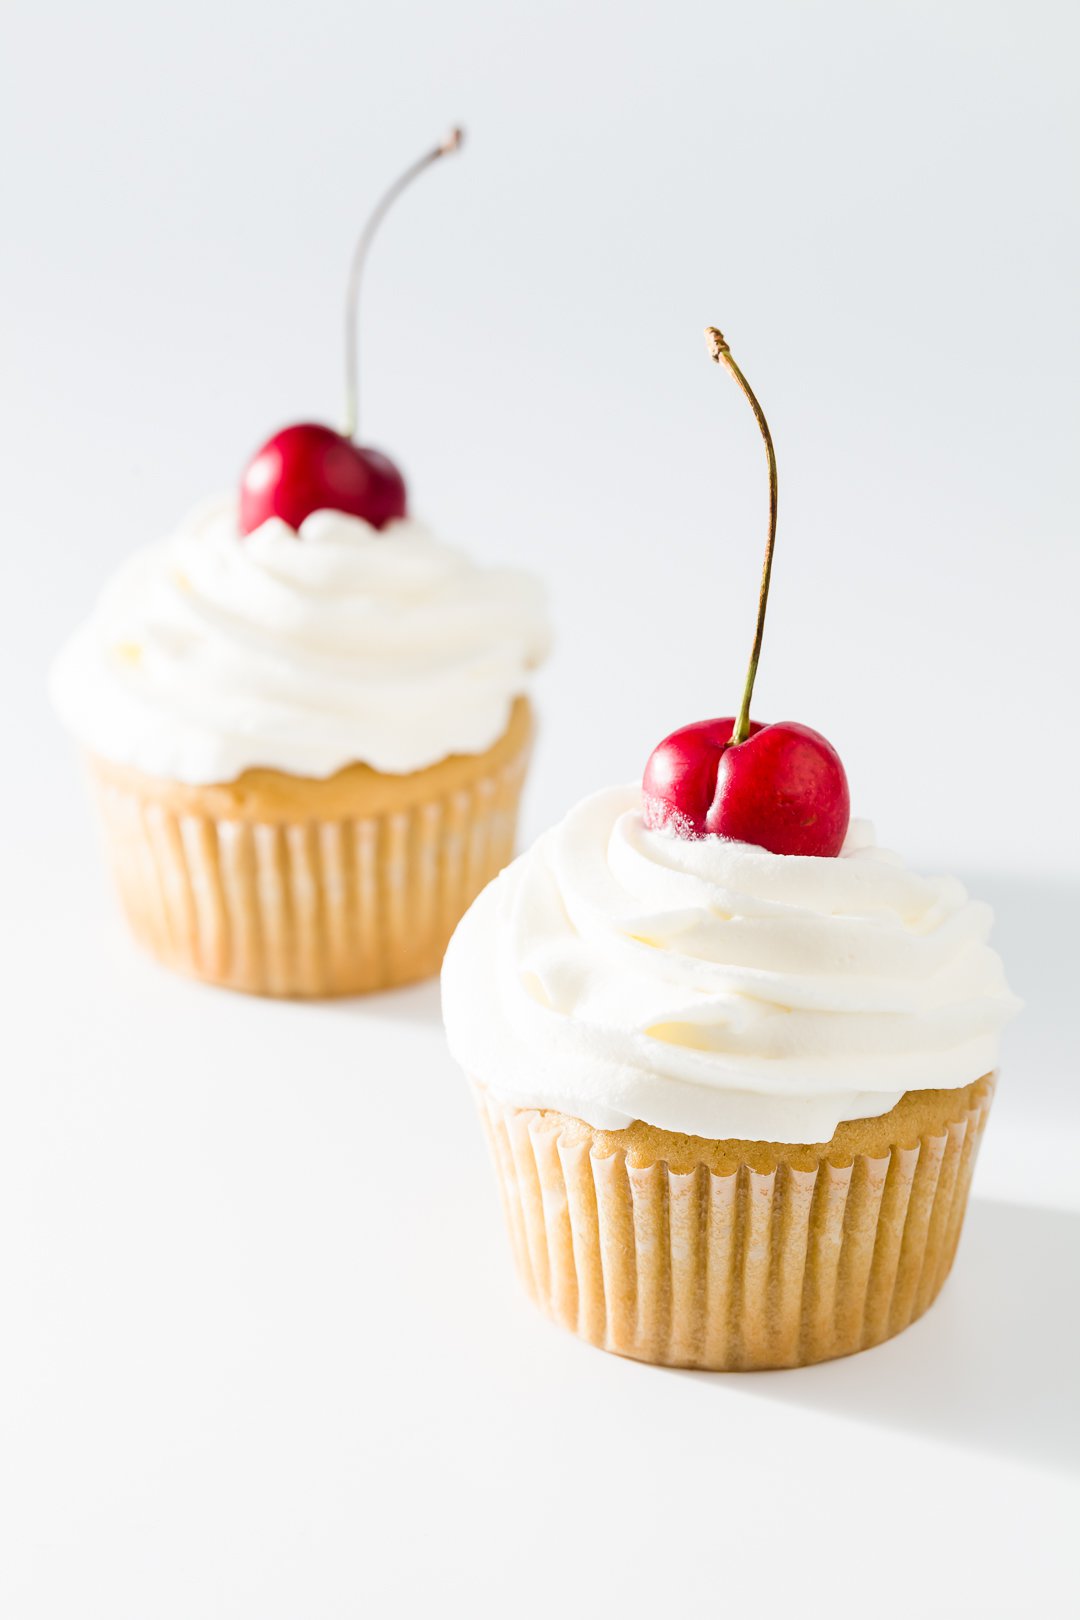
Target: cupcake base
{"x": 294, "y": 886}
{"x": 737, "y": 1255}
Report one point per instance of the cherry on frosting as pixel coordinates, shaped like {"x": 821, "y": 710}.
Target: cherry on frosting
{"x": 783, "y": 788}
{"x": 309, "y": 468}
{"x": 779, "y": 786}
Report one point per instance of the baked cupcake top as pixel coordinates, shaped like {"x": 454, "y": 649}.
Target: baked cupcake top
{"x": 619, "y": 973}
{"x": 299, "y": 650}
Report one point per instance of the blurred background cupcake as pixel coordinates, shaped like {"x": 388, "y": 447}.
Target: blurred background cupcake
{"x": 306, "y": 719}
{"x": 308, "y": 747}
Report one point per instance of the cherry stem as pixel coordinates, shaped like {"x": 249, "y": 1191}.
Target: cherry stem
{"x": 450, "y": 143}
{"x": 720, "y": 352}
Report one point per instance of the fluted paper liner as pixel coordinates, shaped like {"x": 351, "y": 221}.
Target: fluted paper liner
{"x": 297, "y": 887}
{"x": 751, "y": 1268}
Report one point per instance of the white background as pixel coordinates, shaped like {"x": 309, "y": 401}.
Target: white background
{"x": 224, "y": 1390}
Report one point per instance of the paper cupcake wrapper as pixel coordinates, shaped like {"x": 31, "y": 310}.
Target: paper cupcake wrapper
{"x": 731, "y": 1272}
{"x": 308, "y": 907}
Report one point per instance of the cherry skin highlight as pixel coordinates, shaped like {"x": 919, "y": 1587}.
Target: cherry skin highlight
{"x": 783, "y": 788}
{"x": 309, "y": 468}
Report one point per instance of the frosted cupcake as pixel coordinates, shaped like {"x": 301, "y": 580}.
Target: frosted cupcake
{"x": 307, "y": 723}
{"x": 734, "y": 1060}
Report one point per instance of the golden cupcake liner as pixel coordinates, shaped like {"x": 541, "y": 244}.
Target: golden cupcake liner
{"x": 751, "y": 1268}
{"x": 254, "y": 894}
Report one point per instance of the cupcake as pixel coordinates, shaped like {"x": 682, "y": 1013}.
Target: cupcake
{"x": 734, "y": 1061}
{"x": 306, "y": 723}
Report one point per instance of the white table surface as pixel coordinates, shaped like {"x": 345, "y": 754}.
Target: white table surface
{"x": 233, "y": 1385}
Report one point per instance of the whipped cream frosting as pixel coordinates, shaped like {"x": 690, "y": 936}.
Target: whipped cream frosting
{"x": 212, "y": 652}
{"x": 709, "y": 987}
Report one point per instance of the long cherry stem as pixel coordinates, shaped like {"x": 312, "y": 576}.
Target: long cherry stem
{"x": 720, "y": 352}
{"x": 450, "y": 143}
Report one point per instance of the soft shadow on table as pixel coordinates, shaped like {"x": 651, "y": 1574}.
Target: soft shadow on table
{"x": 412, "y": 1004}
{"x": 991, "y": 1366}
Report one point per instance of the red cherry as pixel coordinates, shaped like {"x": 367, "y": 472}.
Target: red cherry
{"x": 308, "y": 468}
{"x": 784, "y": 788}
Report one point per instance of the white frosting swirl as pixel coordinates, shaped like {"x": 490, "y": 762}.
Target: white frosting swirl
{"x": 210, "y": 652}
{"x": 617, "y": 974}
